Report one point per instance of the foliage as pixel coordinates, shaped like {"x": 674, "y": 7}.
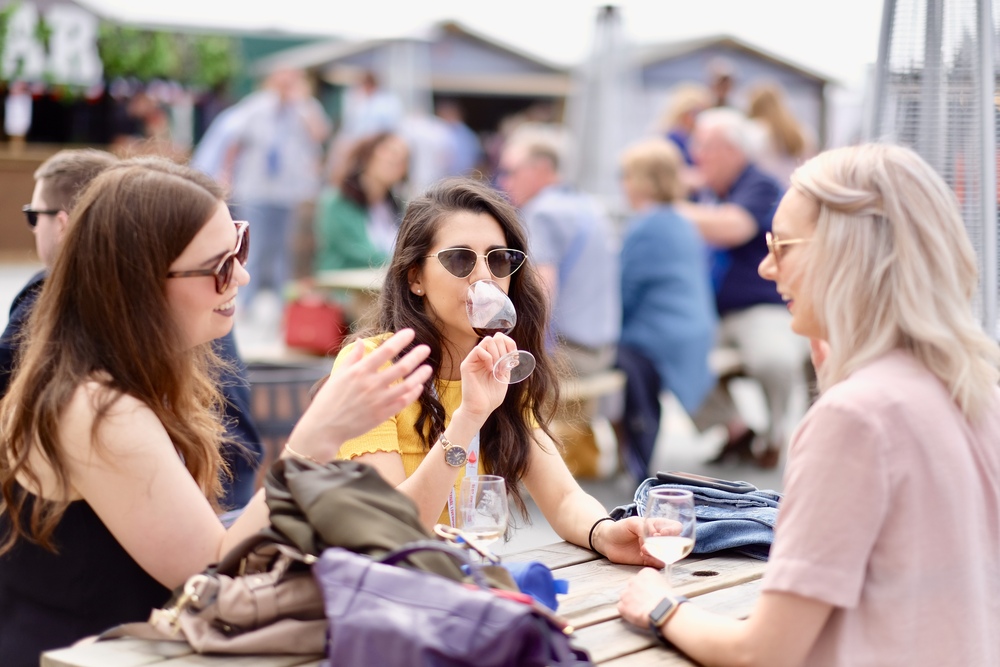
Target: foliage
{"x": 5, "y": 14}
{"x": 198, "y": 60}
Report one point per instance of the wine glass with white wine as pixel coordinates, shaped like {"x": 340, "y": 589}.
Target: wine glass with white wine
{"x": 482, "y": 508}
{"x": 668, "y": 525}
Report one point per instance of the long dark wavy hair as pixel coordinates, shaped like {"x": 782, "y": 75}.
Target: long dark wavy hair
{"x": 103, "y": 317}
{"x": 507, "y": 435}
{"x": 358, "y": 160}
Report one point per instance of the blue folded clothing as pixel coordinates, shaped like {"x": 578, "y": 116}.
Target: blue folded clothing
{"x": 535, "y": 579}
{"x": 725, "y": 520}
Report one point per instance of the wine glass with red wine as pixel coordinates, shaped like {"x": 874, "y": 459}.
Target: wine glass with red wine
{"x": 491, "y": 311}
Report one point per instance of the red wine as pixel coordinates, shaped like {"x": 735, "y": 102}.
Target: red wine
{"x": 501, "y": 326}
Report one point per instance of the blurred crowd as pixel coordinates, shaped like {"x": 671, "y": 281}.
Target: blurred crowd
{"x": 651, "y": 290}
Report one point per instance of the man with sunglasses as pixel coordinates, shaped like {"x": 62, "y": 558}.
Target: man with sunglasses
{"x": 58, "y": 182}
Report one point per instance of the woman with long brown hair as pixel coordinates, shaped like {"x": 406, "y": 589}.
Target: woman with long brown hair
{"x": 459, "y": 232}
{"x": 356, "y": 221}
{"x": 110, "y": 467}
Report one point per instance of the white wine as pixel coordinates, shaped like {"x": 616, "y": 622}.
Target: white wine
{"x": 669, "y": 548}
{"x": 483, "y": 536}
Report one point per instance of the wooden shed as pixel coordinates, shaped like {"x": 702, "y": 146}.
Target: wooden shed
{"x": 488, "y": 78}
{"x": 663, "y": 66}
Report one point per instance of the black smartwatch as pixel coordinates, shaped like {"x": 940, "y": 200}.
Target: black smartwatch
{"x": 662, "y": 613}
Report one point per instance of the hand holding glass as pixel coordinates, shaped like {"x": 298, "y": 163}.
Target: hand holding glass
{"x": 491, "y": 311}
{"x": 482, "y": 508}
{"x": 668, "y": 525}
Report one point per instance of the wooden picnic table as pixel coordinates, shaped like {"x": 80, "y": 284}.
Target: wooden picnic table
{"x": 358, "y": 291}
{"x": 726, "y": 584}
{"x": 359, "y": 280}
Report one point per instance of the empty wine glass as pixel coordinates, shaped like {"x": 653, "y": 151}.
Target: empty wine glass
{"x": 491, "y": 311}
{"x": 482, "y": 508}
{"x": 668, "y": 526}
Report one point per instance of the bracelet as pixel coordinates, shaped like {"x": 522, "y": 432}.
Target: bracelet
{"x": 590, "y": 538}
{"x": 301, "y": 456}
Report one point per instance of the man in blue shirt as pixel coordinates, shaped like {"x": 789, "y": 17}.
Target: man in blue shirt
{"x": 733, "y": 214}
{"x": 572, "y": 244}
{"x": 58, "y": 182}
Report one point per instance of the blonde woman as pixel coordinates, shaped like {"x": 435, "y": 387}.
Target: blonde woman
{"x": 784, "y": 142}
{"x": 668, "y": 307}
{"x": 687, "y": 100}
{"x": 888, "y": 544}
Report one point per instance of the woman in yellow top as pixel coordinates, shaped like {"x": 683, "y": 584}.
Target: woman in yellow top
{"x": 459, "y": 232}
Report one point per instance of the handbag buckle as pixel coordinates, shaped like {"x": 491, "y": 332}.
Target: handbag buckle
{"x": 459, "y": 538}
{"x": 189, "y": 595}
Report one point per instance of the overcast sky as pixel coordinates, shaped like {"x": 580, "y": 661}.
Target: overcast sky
{"x": 836, "y": 37}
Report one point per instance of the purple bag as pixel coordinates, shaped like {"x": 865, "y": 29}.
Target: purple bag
{"x": 380, "y": 614}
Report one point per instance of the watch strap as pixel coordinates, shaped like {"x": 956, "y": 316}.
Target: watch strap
{"x": 663, "y": 612}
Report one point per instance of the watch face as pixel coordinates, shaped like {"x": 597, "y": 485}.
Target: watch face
{"x": 661, "y": 611}
{"x": 455, "y": 456}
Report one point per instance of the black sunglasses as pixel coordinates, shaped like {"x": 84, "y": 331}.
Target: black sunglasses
{"x": 461, "y": 262}
{"x": 223, "y": 272}
{"x": 32, "y": 214}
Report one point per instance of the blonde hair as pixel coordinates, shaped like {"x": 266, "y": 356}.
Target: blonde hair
{"x": 655, "y": 166}
{"x": 891, "y": 266}
{"x": 685, "y": 98}
{"x": 768, "y": 106}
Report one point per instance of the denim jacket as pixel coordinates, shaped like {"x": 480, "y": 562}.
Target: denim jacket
{"x": 743, "y": 522}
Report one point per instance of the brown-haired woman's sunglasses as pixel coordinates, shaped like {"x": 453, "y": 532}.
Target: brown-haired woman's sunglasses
{"x": 461, "y": 262}
{"x": 223, "y": 272}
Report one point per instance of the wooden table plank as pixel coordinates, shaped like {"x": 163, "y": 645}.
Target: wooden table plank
{"x": 362, "y": 280}
{"x": 140, "y": 652}
{"x": 615, "y": 638}
{"x": 116, "y": 653}
{"x": 594, "y": 587}
{"x": 244, "y": 661}
{"x": 556, "y": 556}
{"x": 657, "y": 656}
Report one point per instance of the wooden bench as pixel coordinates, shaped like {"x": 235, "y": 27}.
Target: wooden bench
{"x": 726, "y": 363}
{"x": 591, "y": 386}
{"x": 590, "y": 447}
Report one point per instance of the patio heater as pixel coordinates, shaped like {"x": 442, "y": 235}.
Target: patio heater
{"x": 935, "y": 91}
{"x": 603, "y": 112}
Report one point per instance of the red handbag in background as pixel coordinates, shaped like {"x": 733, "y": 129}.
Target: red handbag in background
{"x": 314, "y": 324}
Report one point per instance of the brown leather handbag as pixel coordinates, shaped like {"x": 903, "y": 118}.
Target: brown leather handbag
{"x": 262, "y": 598}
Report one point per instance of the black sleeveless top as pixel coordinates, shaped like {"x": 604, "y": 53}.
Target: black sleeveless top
{"x": 51, "y": 600}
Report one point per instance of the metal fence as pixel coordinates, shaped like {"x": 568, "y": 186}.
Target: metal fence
{"x": 936, "y": 91}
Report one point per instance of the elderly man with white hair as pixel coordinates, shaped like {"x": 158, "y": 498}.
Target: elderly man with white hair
{"x": 734, "y": 214}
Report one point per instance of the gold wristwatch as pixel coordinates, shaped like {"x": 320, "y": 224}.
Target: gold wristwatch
{"x": 454, "y": 455}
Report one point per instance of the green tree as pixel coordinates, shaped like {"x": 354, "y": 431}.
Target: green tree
{"x": 193, "y": 60}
